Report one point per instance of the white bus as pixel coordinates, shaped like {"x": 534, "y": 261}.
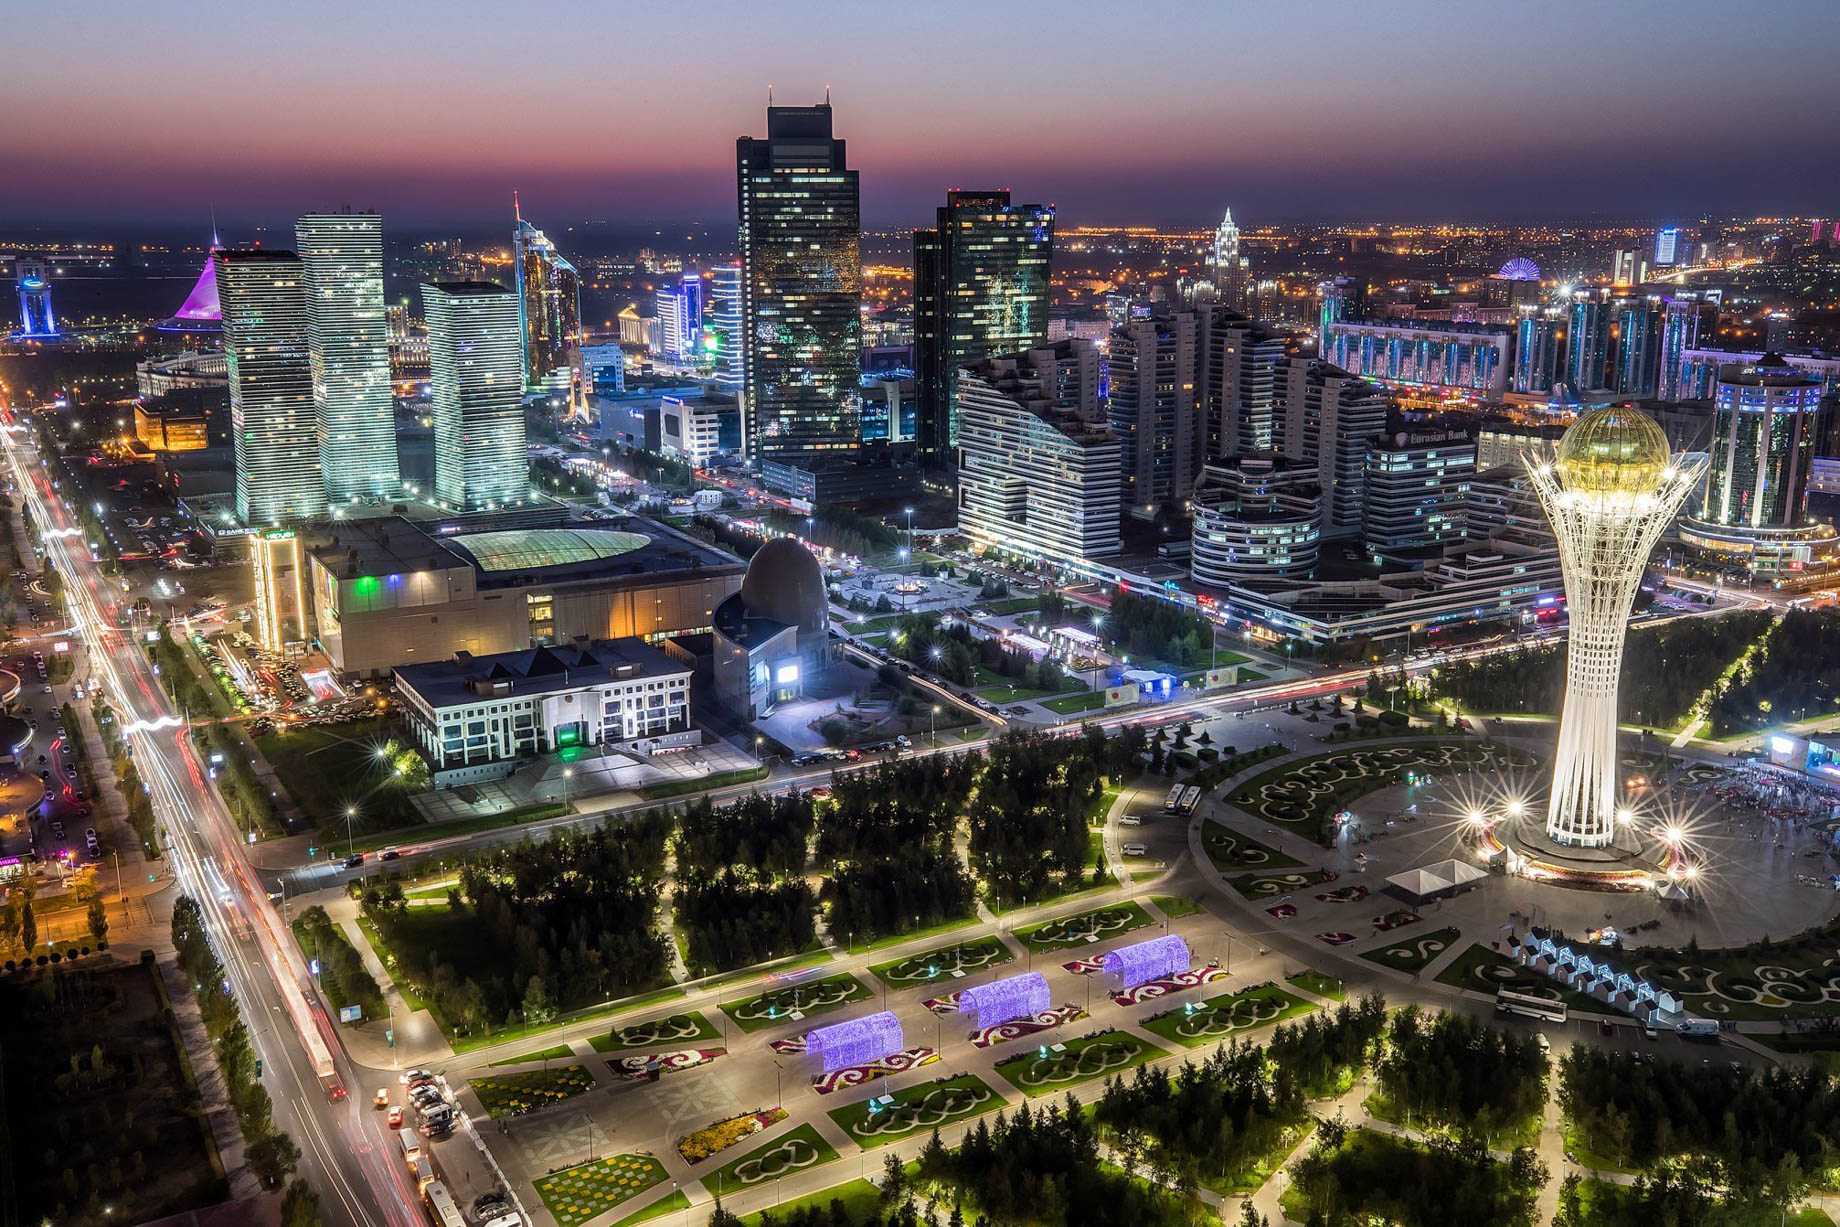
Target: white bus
{"x": 1528, "y": 1006}
{"x": 1191, "y": 797}
{"x": 1174, "y": 798}
{"x": 441, "y": 1207}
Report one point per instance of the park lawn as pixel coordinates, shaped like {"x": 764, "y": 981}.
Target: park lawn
{"x": 467, "y": 826}
{"x": 1085, "y": 929}
{"x": 1525, "y": 1132}
{"x": 937, "y": 965}
{"x": 1329, "y": 988}
{"x": 912, "y": 935}
{"x": 1482, "y": 970}
{"x": 1233, "y": 851}
{"x": 659, "y": 1209}
{"x": 1080, "y": 1060}
{"x": 1584, "y": 1156}
{"x": 1011, "y": 605}
{"x": 860, "y": 1200}
{"x": 805, "y": 1000}
{"x": 1175, "y": 907}
{"x": 664, "y": 1033}
{"x": 1013, "y": 694}
{"x": 1219, "y": 1017}
{"x": 576, "y": 1194}
{"x": 1414, "y": 952}
{"x": 1073, "y": 704}
{"x": 916, "y": 1110}
{"x": 330, "y": 767}
{"x": 795, "y": 1151}
{"x": 506, "y": 1094}
{"x": 561, "y": 1052}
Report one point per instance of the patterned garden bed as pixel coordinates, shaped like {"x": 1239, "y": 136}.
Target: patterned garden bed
{"x": 577, "y": 1194}
{"x": 515, "y": 1094}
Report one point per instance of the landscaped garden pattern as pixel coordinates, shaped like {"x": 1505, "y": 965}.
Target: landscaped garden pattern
{"x": 1236, "y": 852}
{"x": 779, "y": 1005}
{"x": 1305, "y": 795}
{"x": 793, "y": 1152}
{"x": 713, "y": 1139}
{"x": 664, "y": 1032}
{"x": 1044, "y": 1072}
{"x": 1276, "y": 885}
{"x": 1414, "y": 953}
{"x": 915, "y": 1109}
{"x": 577, "y": 1194}
{"x": 1483, "y": 970}
{"x": 1084, "y": 929}
{"x": 939, "y": 964}
{"x": 1222, "y": 1016}
{"x": 510, "y": 1094}
{"x": 1796, "y": 977}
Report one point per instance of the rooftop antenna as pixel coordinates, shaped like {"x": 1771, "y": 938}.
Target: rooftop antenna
{"x": 215, "y": 241}
{"x": 517, "y": 210}
{"x": 827, "y": 95}
{"x": 769, "y": 93}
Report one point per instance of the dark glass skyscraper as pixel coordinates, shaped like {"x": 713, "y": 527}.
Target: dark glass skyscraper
{"x": 1767, "y": 421}
{"x": 980, "y": 289}
{"x": 801, "y": 288}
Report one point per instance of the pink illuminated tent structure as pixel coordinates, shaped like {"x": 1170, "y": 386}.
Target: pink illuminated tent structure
{"x": 201, "y": 312}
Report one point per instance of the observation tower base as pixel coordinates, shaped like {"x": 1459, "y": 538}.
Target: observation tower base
{"x": 1633, "y": 861}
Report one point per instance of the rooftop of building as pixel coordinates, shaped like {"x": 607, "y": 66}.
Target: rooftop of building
{"x": 535, "y": 671}
{"x": 465, "y": 289}
{"x": 515, "y": 553}
{"x": 244, "y": 255}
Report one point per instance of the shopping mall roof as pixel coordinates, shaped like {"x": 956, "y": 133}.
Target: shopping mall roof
{"x": 531, "y": 549}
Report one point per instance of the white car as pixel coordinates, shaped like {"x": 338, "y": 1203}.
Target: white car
{"x": 1130, "y": 820}
{"x": 1136, "y": 850}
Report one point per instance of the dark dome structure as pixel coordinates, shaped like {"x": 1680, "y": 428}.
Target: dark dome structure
{"x": 785, "y": 584}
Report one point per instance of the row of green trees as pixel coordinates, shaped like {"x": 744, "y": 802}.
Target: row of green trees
{"x": 341, "y": 971}
{"x": 270, "y": 1153}
{"x": 1795, "y": 676}
{"x": 1452, "y": 1070}
{"x": 1031, "y": 815}
{"x": 1356, "y": 1177}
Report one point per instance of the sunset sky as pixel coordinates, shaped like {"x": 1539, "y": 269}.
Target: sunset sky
{"x": 1116, "y": 112}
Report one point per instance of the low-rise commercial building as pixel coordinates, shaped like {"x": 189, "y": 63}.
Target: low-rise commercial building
{"x": 474, "y": 717}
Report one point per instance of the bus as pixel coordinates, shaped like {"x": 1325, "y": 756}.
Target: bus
{"x": 1174, "y": 798}
{"x": 1191, "y": 797}
{"x": 441, "y": 1207}
{"x": 1529, "y": 1006}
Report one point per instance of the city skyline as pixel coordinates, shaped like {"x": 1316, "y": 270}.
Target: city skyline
{"x": 1528, "y": 119}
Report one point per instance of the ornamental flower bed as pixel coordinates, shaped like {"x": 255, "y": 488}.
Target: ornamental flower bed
{"x": 712, "y": 1139}
{"x": 515, "y": 1094}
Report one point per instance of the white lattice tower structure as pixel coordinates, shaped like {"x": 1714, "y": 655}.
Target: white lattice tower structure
{"x": 1609, "y": 494}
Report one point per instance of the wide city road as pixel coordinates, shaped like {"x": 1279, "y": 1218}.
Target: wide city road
{"x": 342, "y": 1151}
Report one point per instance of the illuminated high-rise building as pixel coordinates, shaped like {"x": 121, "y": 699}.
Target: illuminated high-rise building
{"x": 1670, "y": 246}
{"x": 1232, "y": 272}
{"x": 1686, "y": 324}
{"x": 1587, "y": 358}
{"x": 1242, "y": 385}
{"x": 725, "y": 324}
{"x": 275, "y": 430}
{"x": 36, "y": 318}
{"x": 1539, "y": 340}
{"x": 1638, "y": 324}
{"x": 477, "y": 388}
{"x": 1156, "y": 407}
{"x": 980, "y": 289}
{"x": 1768, "y": 419}
{"x": 549, "y": 308}
{"x": 281, "y": 606}
{"x": 680, "y": 320}
{"x": 801, "y": 303}
{"x": 341, "y": 255}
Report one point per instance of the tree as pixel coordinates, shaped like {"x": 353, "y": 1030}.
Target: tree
{"x": 273, "y": 1158}
{"x": 894, "y": 1179}
{"x": 300, "y": 1206}
{"x": 28, "y": 927}
{"x": 98, "y": 922}
{"x": 1250, "y": 1217}
{"x": 538, "y": 1007}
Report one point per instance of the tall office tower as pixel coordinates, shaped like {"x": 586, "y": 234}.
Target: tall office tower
{"x": 1240, "y": 396}
{"x": 725, "y": 322}
{"x": 477, "y": 387}
{"x": 1609, "y": 494}
{"x": 1768, "y": 419}
{"x": 801, "y": 290}
{"x": 1232, "y": 271}
{"x": 263, "y": 295}
{"x": 1628, "y": 268}
{"x": 680, "y": 320}
{"x": 1539, "y": 339}
{"x": 1330, "y": 416}
{"x": 1417, "y": 484}
{"x": 36, "y": 318}
{"x": 341, "y": 256}
{"x": 1343, "y": 298}
{"x": 282, "y": 614}
{"x": 980, "y": 288}
{"x": 1670, "y": 246}
{"x": 1156, "y": 408}
{"x": 1587, "y": 359}
{"x": 1638, "y": 346}
{"x": 1038, "y": 469}
{"x": 549, "y": 308}
{"x": 1686, "y": 323}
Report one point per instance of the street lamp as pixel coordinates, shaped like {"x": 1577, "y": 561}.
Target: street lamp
{"x": 568, "y": 774}
{"x": 932, "y": 727}
{"x": 351, "y": 811}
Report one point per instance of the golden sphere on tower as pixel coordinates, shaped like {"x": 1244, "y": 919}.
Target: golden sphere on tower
{"x": 1614, "y": 450}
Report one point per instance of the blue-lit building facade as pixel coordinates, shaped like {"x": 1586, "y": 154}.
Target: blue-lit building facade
{"x": 549, "y": 309}
{"x": 36, "y": 318}
{"x": 1469, "y": 360}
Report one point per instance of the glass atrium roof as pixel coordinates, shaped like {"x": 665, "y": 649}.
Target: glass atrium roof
{"x": 532, "y": 549}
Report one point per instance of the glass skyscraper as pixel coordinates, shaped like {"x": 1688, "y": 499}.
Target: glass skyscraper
{"x": 1539, "y": 337}
{"x": 1767, "y": 421}
{"x": 725, "y": 323}
{"x": 272, "y": 420}
{"x": 1638, "y": 346}
{"x": 549, "y": 308}
{"x": 341, "y": 255}
{"x": 1587, "y": 360}
{"x": 477, "y": 387}
{"x": 980, "y": 289}
{"x": 801, "y": 291}
{"x": 36, "y": 318}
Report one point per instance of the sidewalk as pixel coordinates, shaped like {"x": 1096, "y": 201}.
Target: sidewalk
{"x": 215, "y": 1099}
